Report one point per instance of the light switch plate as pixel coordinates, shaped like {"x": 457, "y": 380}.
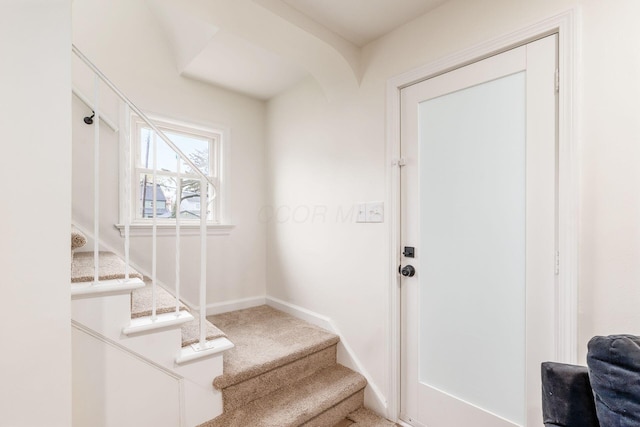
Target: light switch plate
{"x": 375, "y": 212}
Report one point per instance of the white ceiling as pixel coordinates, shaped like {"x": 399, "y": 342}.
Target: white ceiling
{"x": 246, "y": 68}
{"x": 362, "y": 21}
{"x": 262, "y": 47}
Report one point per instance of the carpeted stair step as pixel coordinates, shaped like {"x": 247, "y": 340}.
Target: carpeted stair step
{"x": 110, "y": 267}
{"x": 142, "y": 301}
{"x": 319, "y": 400}
{"x": 272, "y": 349}
{"x": 364, "y": 417}
{"x": 142, "y": 304}
{"x": 237, "y": 395}
{"x": 191, "y": 332}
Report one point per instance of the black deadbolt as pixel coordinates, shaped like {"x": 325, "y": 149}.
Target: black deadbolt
{"x": 409, "y": 251}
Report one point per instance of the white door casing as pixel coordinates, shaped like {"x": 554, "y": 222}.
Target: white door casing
{"x": 538, "y": 61}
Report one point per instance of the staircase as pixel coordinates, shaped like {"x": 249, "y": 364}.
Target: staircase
{"x": 280, "y": 371}
{"x": 116, "y": 336}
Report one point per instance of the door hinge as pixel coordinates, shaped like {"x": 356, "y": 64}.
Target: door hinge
{"x": 399, "y": 162}
{"x": 556, "y": 79}
{"x": 557, "y": 263}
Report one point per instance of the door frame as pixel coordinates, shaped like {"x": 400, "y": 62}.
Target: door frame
{"x": 564, "y": 24}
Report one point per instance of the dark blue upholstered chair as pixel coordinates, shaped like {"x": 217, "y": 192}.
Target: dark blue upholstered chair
{"x": 604, "y": 394}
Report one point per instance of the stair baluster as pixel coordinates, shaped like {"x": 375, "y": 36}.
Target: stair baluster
{"x": 204, "y": 201}
{"x": 125, "y": 137}
{"x": 96, "y": 180}
{"x": 178, "y": 200}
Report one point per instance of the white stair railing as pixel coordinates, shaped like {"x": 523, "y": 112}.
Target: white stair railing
{"x": 207, "y": 186}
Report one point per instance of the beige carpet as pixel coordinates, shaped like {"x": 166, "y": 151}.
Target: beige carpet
{"x": 299, "y": 403}
{"x": 78, "y": 239}
{"x": 142, "y": 301}
{"x": 110, "y": 267}
{"x": 264, "y": 339}
{"x": 191, "y": 332}
{"x": 364, "y": 417}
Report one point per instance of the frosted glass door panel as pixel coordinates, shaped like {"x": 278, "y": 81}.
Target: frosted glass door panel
{"x": 472, "y": 235}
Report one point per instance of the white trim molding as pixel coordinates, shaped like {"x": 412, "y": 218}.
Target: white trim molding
{"x": 565, "y": 25}
{"x": 233, "y": 305}
{"x": 170, "y": 229}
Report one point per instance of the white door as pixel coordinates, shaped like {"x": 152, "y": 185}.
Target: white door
{"x": 478, "y": 189}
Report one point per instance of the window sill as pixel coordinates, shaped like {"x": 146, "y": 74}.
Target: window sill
{"x": 170, "y": 229}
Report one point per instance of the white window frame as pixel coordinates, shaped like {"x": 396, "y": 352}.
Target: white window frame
{"x": 216, "y": 224}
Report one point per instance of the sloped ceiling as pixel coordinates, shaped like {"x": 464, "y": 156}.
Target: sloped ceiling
{"x": 262, "y": 47}
{"x": 363, "y": 21}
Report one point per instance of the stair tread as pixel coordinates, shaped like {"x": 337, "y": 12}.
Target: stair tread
{"x": 265, "y": 339}
{"x": 110, "y": 267}
{"x": 366, "y": 417}
{"x": 191, "y": 332}
{"x": 244, "y": 392}
{"x": 295, "y": 404}
{"x": 142, "y": 300}
{"x": 141, "y": 306}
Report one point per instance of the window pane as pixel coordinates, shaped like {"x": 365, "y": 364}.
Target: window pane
{"x": 190, "y": 199}
{"x": 197, "y": 149}
{"x": 165, "y": 193}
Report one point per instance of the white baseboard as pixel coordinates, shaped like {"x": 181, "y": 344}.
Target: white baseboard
{"x": 238, "y": 304}
{"x": 374, "y": 399}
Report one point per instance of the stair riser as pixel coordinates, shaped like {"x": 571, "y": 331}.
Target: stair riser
{"x": 107, "y": 314}
{"x": 240, "y": 394}
{"x": 337, "y": 413}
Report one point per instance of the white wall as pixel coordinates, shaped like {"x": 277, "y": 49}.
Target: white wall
{"x": 610, "y": 199}
{"x": 35, "y": 180}
{"x": 331, "y": 155}
{"x": 124, "y": 39}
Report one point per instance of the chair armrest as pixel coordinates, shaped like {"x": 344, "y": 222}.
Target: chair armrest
{"x": 567, "y": 398}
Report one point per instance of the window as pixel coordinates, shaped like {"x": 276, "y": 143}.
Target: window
{"x": 177, "y": 186}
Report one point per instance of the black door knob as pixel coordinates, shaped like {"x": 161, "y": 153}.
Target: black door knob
{"x": 408, "y": 271}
